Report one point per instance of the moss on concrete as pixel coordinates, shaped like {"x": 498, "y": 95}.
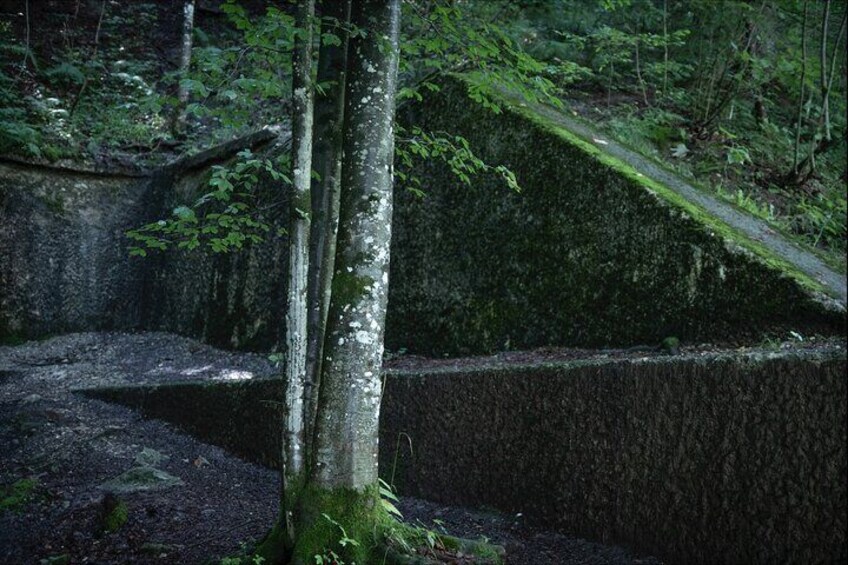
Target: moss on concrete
{"x": 589, "y": 253}
{"x": 732, "y": 236}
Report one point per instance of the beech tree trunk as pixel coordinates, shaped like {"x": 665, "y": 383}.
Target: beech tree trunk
{"x": 295, "y": 369}
{"x": 343, "y": 476}
{"x": 337, "y": 486}
{"x": 349, "y": 409}
{"x": 178, "y": 121}
{"x": 327, "y": 162}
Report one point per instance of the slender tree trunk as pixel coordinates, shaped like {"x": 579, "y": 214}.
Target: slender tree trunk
{"x": 26, "y": 46}
{"x": 178, "y": 120}
{"x": 665, "y": 49}
{"x": 327, "y": 162}
{"x": 801, "y": 96}
{"x": 824, "y": 66}
{"x": 639, "y": 76}
{"x": 807, "y": 167}
{"x": 84, "y": 84}
{"x": 294, "y": 447}
{"x": 346, "y": 451}
{"x": 833, "y": 59}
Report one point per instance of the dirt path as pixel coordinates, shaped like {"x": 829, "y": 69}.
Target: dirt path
{"x": 207, "y": 502}
{"x": 754, "y": 228}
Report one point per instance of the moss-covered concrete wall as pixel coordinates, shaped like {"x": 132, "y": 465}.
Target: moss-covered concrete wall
{"x": 720, "y": 458}
{"x": 64, "y": 263}
{"x": 63, "y": 260}
{"x": 588, "y": 253}
{"x": 235, "y": 300}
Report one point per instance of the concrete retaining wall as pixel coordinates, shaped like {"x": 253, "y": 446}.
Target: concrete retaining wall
{"x": 723, "y": 458}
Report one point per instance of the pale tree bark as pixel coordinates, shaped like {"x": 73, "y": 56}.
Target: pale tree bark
{"x": 342, "y": 479}
{"x": 327, "y": 162}
{"x": 639, "y": 75}
{"x": 665, "y": 49}
{"x": 178, "y": 122}
{"x": 828, "y": 85}
{"x": 818, "y": 144}
{"x": 349, "y": 410}
{"x": 803, "y": 85}
{"x": 296, "y": 330}
{"x": 823, "y": 56}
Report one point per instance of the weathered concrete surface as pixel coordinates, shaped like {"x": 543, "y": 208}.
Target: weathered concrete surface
{"x": 591, "y": 252}
{"x": 72, "y": 444}
{"x": 834, "y": 282}
{"x": 700, "y": 458}
{"x": 234, "y": 300}
{"x": 63, "y": 258}
{"x": 720, "y": 459}
{"x": 588, "y": 254}
{"x": 64, "y": 263}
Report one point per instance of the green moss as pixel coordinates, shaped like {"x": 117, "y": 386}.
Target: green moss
{"x": 349, "y": 288}
{"x": 405, "y": 543}
{"x": 348, "y": 522}
{"x": 17, "y": 495}
{"x": 670, "y": 345}
{"x": 760, "y": 251}
{"x": 13, "y": 338}
{"x": 115, "y": 519}
{"x": 590, "y": 253}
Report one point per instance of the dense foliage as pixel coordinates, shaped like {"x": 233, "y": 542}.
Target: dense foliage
{"x": 745, "y": 97}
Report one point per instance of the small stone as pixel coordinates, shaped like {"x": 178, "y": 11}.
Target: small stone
{"x": 150, "y": 457}
{"x": 141, "y": 478}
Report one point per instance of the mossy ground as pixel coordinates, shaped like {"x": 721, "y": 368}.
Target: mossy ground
{"x": 115, "y": 518}
{"x": 17, "y": 495}
{"x": 346, "y": 526}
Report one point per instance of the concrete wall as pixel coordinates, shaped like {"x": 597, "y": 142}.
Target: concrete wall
{"x": 727, "y": 459}
{"x": 722, "y": 458}
{"x": 64, "y": 263}
{"x": 589, "y": 252}
{"x": 63, "y": 258}
{"x": 586, "y": 254}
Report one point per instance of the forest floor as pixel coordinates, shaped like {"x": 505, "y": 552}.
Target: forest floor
{"x": 185, "y": 501}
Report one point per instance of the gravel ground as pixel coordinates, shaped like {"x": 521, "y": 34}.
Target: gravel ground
{"x": 72, "y": 445}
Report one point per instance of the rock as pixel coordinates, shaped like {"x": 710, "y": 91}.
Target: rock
{"x": 31, "y": 399}
{"x": 150, "y": 457}
{"x": 159, "y": 549}
{"x": 141, "y": 478}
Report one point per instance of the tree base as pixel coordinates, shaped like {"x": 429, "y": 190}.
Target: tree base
{"x": 347, "y": 527}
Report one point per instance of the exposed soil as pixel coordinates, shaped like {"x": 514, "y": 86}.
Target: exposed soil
{"x": 72, "y": 445}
